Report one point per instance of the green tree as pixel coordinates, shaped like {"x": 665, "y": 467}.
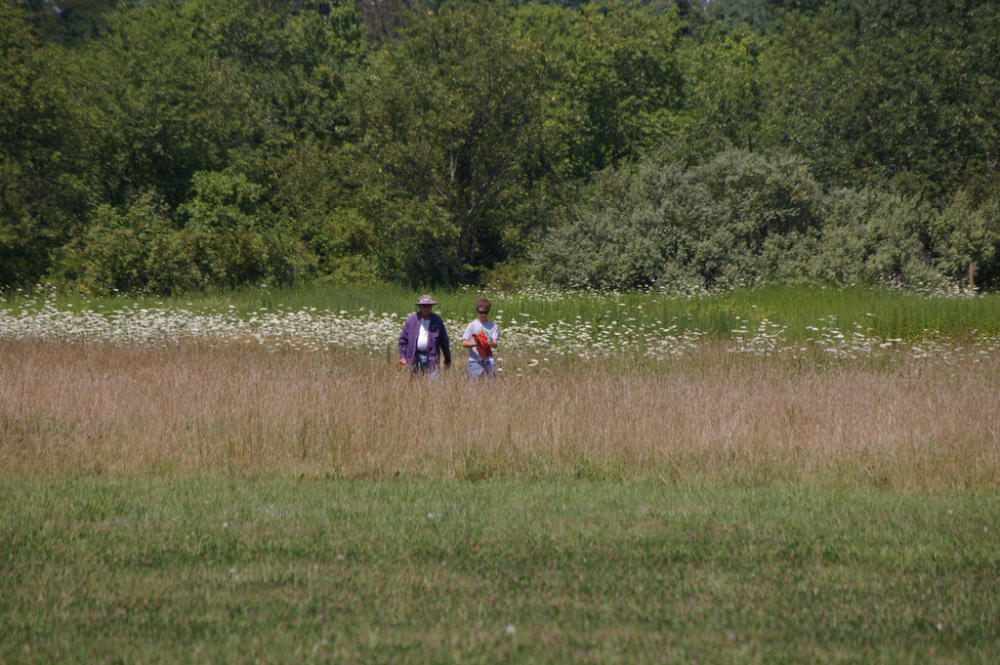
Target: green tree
{"x": 763, "y": 16}
{"x": 70, "y": 22}
{"x": 231, "y": 117}
{"x": 170, "y": 105}
{"x": 446, "y": 115}
{"x": 45, "y": 172}
{"x": 726, "y": 94}
{"x": 239, "y": 240}
{"x": 613, "y": 86}
{"x": 901, "y": 92}
{"x": 294, "y": 57}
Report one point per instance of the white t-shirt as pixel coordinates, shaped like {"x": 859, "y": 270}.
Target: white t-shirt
{"x": 425, "y": 326}
{"x": 492, "y": 331}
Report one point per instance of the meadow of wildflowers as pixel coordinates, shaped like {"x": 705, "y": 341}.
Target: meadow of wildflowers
{"x": 781, "y": 321}
{"x": 792, "y": 475}
{"x": 604, "y": 384}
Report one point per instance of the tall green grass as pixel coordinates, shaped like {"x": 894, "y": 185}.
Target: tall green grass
{"x": 886, "y": 313}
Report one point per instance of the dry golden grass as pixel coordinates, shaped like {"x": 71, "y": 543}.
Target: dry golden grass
{"x": 84, "y": 409}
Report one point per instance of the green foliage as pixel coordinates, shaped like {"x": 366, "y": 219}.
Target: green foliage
{"x": 472, "y": 129}
{"x": 613, "y": 87}
{"x": 312, "y": 195}
{"x": 243, "y": 242}
{"x": 725, "y": 94}
{"x": 744, "y": 217}
{"x": 140, "y": 250}
{"x": 962, "y": 235}
{"x": 295, "y": 55}
{"x": 763, "y": 16}
{"x": 170, "y": 106}
{"x": 876, "y": 235}
{"x": 224, "y": 236}
{"x": 427, "y": 143}
{"x": 741, "y": 217}
{"x": 45, "y": 180}
{"x": 905, "y": 94}
{"x": 447, "y": 114}
{"x": 70, "y": 22}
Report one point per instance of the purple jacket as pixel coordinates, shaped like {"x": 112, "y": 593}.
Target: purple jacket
{"x": 437, "y": 340}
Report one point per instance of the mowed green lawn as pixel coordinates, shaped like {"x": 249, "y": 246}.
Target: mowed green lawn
{"x": 237, "y": 569}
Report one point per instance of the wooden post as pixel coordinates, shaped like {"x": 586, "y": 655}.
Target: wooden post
{"x": 972, "y": 283}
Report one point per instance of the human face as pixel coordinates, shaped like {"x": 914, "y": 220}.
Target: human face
{"x": 425, "y": 311}
{"x": 483, "y": 314}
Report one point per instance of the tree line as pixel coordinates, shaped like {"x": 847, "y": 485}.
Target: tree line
{"x": 165, "y": 146}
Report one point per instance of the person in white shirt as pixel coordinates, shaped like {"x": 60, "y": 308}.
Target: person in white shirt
{"x": 481, "y": 338}
{"x": 423, "y": 342}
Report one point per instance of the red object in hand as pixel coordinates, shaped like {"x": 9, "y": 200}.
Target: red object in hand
{"x": 483, "y": 344}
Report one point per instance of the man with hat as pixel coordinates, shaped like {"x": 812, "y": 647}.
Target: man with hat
{"x": 424, "y": 339}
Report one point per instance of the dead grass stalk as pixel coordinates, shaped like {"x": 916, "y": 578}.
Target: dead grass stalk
{"x": 72, "y": 409}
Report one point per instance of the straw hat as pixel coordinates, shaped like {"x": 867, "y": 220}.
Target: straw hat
{"x": 426, "y": 300}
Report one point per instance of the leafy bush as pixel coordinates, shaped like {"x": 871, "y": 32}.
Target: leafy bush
{"x": 139, "y": 250}
{"x": 740, "y": 217}
{"x": 961, "y": 235}
{"x": 874, "y": 235}
{"x": 744, "y": 217}
{"x": 878, "y": 235}
{"x": 241, "y": 241}
{"x": 225, "y": 237}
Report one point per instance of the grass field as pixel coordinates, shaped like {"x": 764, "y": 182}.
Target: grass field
{"x": 895, "y": 421}
{"x": 884, "y": 313}
{"x": 236, "y": 570}
{"x": 772, "y": 480}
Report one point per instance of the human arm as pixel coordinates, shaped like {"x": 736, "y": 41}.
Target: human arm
{"x": 471, "y": 343}
{"x": 467, "y": 341}
{"x": 404, "y": 340}
{"x": 445, "y": 344}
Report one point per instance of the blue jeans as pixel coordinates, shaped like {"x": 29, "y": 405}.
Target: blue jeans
{"x": 420, "y": 365}
{"x": 478, "y": 368}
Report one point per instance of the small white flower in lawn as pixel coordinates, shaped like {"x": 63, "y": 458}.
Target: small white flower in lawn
{"x": 984, "y": 529}
{"x": 232, "y": 571}
{"x": 225, "y": 525}
{"x": 430, "y": 516}
{"x": 949, "y": 511}
{"x": 940, "y": 626}
{"x": 510, "y": 629}
{"x": 340, "y": 557}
